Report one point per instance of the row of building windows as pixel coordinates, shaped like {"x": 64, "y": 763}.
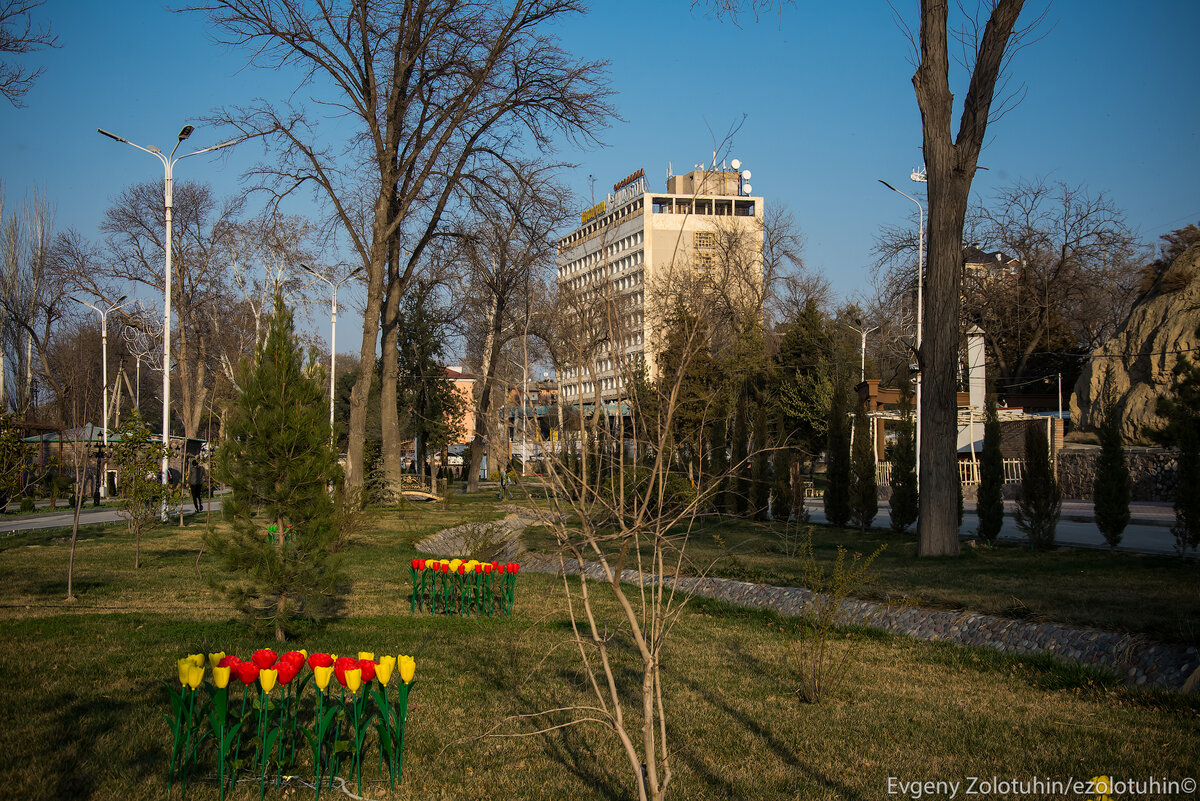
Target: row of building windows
{"x": 595, "y": 226}
{"x": 702, "y": 206}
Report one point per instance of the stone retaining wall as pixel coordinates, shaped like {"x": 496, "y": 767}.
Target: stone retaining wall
{"x": 1152, "y": 473}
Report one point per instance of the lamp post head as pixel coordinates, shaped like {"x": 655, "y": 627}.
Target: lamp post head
{"x": 186, "y": 131}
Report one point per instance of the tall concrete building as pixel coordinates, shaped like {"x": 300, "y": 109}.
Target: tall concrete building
{"x": 617, "y": 270}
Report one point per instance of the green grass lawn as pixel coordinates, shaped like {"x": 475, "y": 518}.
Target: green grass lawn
{"x": 1158, "y": 596}
{"x": 83, "y": 696}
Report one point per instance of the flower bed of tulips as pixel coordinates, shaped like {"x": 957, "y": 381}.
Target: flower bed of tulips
{"x": 463, "y": 587}
{"x": 263, "y": 732}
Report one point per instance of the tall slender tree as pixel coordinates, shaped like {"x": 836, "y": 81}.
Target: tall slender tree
{"x": 1110, "y": 489}
{"x": 1181, "y": 409}
{"x": 837, "y": 460}
{"x": 903, "y": 458}
{"x": 864, "y": 491}
{"x": 989, "y": 504}
{"x": 278, "y": 461}
{"x": 1039, "y": 501}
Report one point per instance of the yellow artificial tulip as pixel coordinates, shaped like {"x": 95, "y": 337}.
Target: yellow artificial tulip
{"x": 195, "y": 676}
{"x": 197, "y": 659}
{"x": 304, "y": 653}
{"x": 454, "y": 563}
{"x": 408, "y": 668}
{"x": 367, "y": 655}
{"x": 353, "y": 679}
{"x": 322, "y": 675}
{"x": 183, "y": 665}
{"x": 383, "y": 671}
{"x": 221, "y": 677}
{"x": 215, "y": 659}
{"x": 267, "y": 679}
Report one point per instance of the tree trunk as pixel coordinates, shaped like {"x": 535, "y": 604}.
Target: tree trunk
{"x": 950, "y": 167}
{"x": 355, "y": 473}
{"x": 483, "y": 392}
{"x": 389, "y": 419}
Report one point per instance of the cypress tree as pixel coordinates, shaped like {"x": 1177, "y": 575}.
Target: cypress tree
{"x": 1039, "y": 500}
{"x": 718, "y": 464}
{"x": 760, "y": 478}
{"x": 781, "y": 471}
{"x": 1110, "y": 489}
{"x": 990, "y": 498}
{"x": 864, "y": 491}
{"x": 1181, "y": 408}
{"x": 739, "y": 483}
{"x": 278, "y": 461}
{"x": 837, "y": 460}
{"x": 903, "y": 480}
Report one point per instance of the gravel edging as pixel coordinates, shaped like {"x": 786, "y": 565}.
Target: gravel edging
{"x": 1139, "y": 661}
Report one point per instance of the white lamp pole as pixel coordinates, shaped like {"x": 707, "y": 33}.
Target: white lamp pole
{"x": 104, "y": 367}
{"x": 862, "y": 332}
{"x": 920, "y": 300}
{"x": 333, "y": 287}
{"x": 169, "y": 167}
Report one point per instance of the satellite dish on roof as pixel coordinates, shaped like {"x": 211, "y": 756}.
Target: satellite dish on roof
{"x": 748, "y": 188}
{"x": 736, "y": 164}
{"x": 745, "y": 175}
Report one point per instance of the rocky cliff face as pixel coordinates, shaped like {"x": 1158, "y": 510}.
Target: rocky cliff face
{"x": 1139, "y": 358}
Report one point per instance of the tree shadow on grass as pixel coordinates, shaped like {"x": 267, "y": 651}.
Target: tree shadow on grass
{"x": 756, "y": 726}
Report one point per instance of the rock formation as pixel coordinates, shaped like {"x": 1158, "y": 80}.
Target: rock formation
{"x": 1139, "y": 358}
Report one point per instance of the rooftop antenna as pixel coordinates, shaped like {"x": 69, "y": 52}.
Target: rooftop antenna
{"x": 670, "y": 171}
{"x": 592, "y": 184}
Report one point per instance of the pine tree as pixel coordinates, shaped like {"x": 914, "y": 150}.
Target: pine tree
{"x": 781, "y": 472}
{"x": 1181, "y": 408}
{"x": 864, "y": 492}
{"x": 1039, "y": 500}
{"x": 278, "y": 461}
{"x": 739, "y": 480}
{"x": 1110, "y": 489}
{"x": 903, "y": 457}
{"x": 989, "y": 503}
{"x": 837, "y": 460}
{"x": 760, "y": 478}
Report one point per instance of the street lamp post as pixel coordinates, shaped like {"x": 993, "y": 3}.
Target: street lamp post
{"x": 920, "y": 177}
{"x": 101, "y": 489}
{"x": 333, "y": 287}
{"x": 168, "y": 163}
{"x": 862, "y": 332}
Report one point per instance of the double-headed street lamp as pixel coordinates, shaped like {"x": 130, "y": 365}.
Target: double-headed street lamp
{"x": 333, "y": 286}
{"x": 103, "y": 366}
{"x": 169, "y": 166}
{"x": 918, "y": 176}
{"x": 858, "y": 329}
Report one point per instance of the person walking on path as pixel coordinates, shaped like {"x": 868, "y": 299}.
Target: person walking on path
{"x": 196, "y": 482}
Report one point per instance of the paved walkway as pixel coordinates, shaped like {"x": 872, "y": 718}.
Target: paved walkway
{"x": 64, "y": 517}
{"x": 1149, "y": 529}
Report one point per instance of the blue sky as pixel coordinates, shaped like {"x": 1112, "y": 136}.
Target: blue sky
{"x": 825, "y": 89}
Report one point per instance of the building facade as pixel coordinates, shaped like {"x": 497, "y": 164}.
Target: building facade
{"x": 617, "y": 271}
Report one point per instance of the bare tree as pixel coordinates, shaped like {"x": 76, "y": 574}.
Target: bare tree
{"x": 200, "y": 275}
{"x": 507, "y": 249}
{"x": 437, "y": 90}
{"x": 20, "y": 36}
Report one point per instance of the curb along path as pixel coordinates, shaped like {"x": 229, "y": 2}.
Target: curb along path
{"x": 1139, "y": 661}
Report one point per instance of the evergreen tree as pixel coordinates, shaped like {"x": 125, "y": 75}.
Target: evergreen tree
{"x": 804, "y": 383}
{"x": 431, "y": 404}
{"x": 990, "y": 497}
{"x": 864, "y": 491}
{"x": 1110, "y": 489}
{"x": 1181, "y": 408}
{"x": 760, "y": 478}
{"x": 837, "y": 460}
{"x": 1039, "y": 500}
{"x": 718, "y": 464}
{"x": 903, "y": 456}
{"x": 279, "y": 464}
{"x": 740, "y": 481}
{"x": 781, "y": 472}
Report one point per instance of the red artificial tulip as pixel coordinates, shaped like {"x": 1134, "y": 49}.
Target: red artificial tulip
{"x": 295, "y": 658}
{"x": 229, "y": 661}
{"x": 513, "y": 567}
{"x": 247, "y": 673}
{"x": 500, "y": 569}
{"x": 461, "y": 569}
{"x": 495, "y": 565}
{"x": 320, "y": 659}
{"x": 478, "y": 568}
{"x": 368, "y": 669}
{"x": 486, "y": 568}
{"x": 287, "y": 670}
{"x": 418, "y": 564}
{"x": 340, "y": 667}
{"x": 265, "y": 658}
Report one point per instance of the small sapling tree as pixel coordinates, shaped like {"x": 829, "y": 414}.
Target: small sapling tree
{"x": 278, "y": 461}
{"x": 990, "y": 498}
{"x": 1110, "y": 488}
{"x": 137, "y": 457}
{"x": 864, "y": 492}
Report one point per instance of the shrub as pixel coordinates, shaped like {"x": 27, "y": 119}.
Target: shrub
{"x": 990, "y": 498}
{"x": 1039, "y": 500}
